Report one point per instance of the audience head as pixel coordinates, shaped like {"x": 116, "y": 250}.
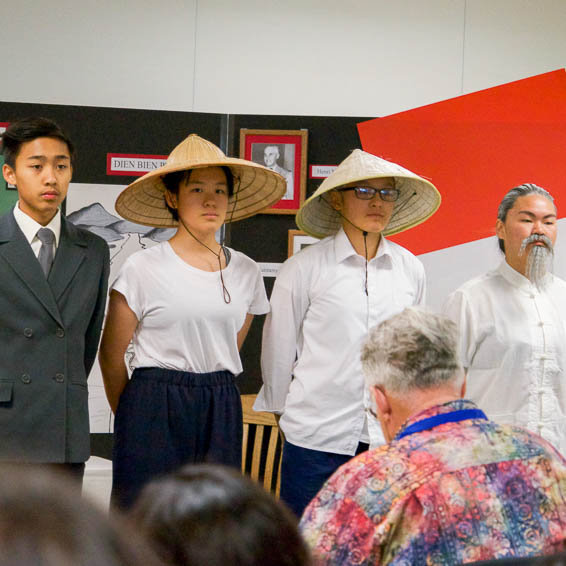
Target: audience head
{"x": 205, "y": 515}
{"x": 44, "y": 521}
{"x": 410, "y": 361}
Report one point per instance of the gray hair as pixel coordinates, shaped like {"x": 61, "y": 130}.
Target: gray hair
{"x": 509, "y": 201}
{"x": 415, "y": 349}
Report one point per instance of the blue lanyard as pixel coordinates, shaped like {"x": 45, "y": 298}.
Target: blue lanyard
{"x": 431, "y": 422}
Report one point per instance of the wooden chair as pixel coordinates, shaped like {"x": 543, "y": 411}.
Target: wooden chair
{"x": 261, "y": 446}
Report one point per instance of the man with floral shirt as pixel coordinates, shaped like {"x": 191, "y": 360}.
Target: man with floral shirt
{"x": 450, "y": 486}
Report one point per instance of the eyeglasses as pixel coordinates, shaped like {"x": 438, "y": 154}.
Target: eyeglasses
{"x": 367, "y": 193}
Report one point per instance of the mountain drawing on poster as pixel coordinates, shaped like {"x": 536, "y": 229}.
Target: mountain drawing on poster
{"x": 117, "y": 232}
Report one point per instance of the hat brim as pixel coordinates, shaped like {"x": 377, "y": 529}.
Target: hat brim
{"x": 418, "y": 199}
{"x": 255, "y": 189}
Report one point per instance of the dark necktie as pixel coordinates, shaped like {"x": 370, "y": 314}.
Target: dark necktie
{"x": 47, "y": 238}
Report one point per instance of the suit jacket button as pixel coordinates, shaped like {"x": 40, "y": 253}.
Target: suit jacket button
{"x": 60, "y": 333}
{"x": 26, "y": 378}
{"x": 28, "y": 332}
{"x": 59, "y": 377}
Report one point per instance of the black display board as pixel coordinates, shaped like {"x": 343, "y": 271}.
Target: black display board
{"x": 99, "y": 131}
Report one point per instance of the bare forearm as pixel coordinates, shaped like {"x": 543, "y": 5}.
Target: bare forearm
{"x": 115, "y": 377}
{"x": 121, "y": 323}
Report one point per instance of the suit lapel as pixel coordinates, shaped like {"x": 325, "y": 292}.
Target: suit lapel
{"x": 71, "y": 253}
{"x": 17, "y": 252}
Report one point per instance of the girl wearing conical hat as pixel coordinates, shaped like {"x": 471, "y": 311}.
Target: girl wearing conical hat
{"x": 324, "y": 301}
{"x": 186, "y": 306}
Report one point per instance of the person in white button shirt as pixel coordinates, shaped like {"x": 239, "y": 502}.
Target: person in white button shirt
{"x": 324, "y": 301}
{"x": 186, "y": 305}
{"x": 512, "y": 322}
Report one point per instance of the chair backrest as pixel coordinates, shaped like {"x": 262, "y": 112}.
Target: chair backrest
{"x": 261, "y": 446}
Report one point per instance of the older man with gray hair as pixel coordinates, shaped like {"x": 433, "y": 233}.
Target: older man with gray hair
{"x": 450, "y": 486}
{"x": 511, "y": 320}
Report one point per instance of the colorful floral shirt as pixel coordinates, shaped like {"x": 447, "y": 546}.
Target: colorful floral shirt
{"x": 454, "y": 493}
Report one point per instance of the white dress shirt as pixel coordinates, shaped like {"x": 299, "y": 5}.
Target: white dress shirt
{"x": 30, "y": 228}
{"x": 513, "y": 344}
{"x": 320, "y": 316}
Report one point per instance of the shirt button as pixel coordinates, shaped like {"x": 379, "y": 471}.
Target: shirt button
{"x": 60, "y": 333}
{"x": 26, "y": 378}
{"x": 541, "y": 323}
{"x": 540, "y": 425}
{"x": 532, "y": 295}
{"x": 28, "y": 332}
{"x": 59, "y": 377}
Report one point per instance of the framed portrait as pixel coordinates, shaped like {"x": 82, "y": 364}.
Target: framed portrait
{"x": 285, "y": 152}
{"x": 299, "y": 240}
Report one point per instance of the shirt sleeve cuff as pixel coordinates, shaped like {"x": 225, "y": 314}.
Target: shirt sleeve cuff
{"x": 265, "y": 402}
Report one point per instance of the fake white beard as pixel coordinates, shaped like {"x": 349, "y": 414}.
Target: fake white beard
{"x": 539, "y": 260}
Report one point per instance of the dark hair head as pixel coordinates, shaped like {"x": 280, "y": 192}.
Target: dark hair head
{"x": 206, "y": 515}
{"x": 29, "y": 129}
{"x": 172, "y": 182}
{"x": 44, "y": 521}
{"x": 509, "y": 201}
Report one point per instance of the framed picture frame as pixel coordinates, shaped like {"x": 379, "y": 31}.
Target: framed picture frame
{"x": 298, "y": 240}
{"x": 285, "y": 152}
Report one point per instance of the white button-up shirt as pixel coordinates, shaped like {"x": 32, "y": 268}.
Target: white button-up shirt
{"x": 320, "y": 316}
{"x": 30, "y": 228}
{"x": 513, "y": 344}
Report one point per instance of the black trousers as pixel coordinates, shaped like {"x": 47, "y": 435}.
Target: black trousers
{"x": 168, "y": 418}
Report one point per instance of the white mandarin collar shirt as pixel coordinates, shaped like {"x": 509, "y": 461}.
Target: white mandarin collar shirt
{"x": 30, "y": 228}
{"x": 320, "y": 316}
{"x": 513, "y": 344}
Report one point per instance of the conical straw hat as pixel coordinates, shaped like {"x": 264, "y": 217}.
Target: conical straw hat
{"x": 255, "y": 187}
{"x": 418, "y": 199}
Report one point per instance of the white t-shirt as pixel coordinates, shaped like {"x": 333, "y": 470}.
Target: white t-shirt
{"x": 184, "y": 323}
{"x": 320, "y": 316}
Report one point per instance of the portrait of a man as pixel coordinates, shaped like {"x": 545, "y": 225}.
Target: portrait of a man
{"x": 279, "y": 158}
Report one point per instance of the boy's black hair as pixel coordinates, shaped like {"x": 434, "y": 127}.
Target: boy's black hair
{"x": 29, "y": 129}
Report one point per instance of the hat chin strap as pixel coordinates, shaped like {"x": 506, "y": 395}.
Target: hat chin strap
{"x": 225, "y": 293}
{"x": 364, "y": 232}
{"x": 365, "y": 235}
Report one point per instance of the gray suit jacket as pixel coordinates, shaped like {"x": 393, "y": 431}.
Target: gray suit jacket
{"x": 49, "y": 333}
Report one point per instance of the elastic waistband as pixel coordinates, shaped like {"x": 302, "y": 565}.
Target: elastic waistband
{"x": 186, "y": 378}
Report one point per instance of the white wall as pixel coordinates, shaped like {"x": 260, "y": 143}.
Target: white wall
{"x": 319, "y": 57}
{"x": 126, "y": 53}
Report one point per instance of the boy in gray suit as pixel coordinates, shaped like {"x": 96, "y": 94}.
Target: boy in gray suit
{"x": 53, "y": 281}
